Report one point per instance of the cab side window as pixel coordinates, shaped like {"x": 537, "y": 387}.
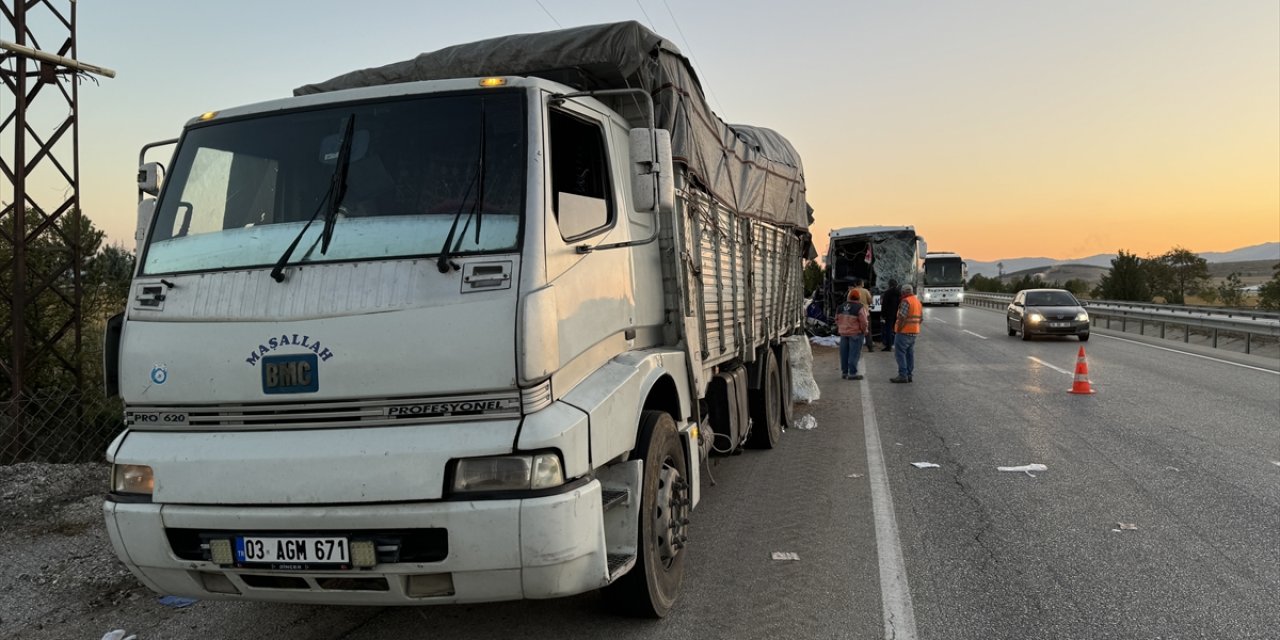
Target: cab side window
{"x": 580, "y": 187}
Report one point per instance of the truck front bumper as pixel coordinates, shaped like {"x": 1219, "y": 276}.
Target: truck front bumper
{"x": 540, "y": 547}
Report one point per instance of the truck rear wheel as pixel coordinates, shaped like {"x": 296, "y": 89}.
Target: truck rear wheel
{"x": 766, "y": 409}
{"x": 784, "y": 378}
{"x": 650, "y": 589}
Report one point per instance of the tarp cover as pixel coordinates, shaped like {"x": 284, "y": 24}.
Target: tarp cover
{"x": 750, "y": 169}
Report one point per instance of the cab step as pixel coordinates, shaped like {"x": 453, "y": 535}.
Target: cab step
{"x": 611, "y": 498}
{"x": 620, "y": 563}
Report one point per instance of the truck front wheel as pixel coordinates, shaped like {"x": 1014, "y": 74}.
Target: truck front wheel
{"x": 651, "y": 587}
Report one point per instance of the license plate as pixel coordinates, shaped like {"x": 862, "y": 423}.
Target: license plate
{"x": 1059, "y": 325}
{"x": 292, "y": 553}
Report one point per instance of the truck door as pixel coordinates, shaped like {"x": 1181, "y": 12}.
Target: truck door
{"x": 594, "y": 290}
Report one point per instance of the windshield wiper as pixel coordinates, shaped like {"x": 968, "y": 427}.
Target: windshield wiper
{"x": 337, "y": 190}
{"x": 444, "y": 263}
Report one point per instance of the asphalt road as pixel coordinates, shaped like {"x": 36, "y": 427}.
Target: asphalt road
{"x": 1184, "y": 448}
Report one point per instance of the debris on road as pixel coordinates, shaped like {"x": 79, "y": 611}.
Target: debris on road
{"x": 118, "y": 634}
{"x": 176, "y": 602}
{"x": 1125, "y": 526}
{"x": 1026, "y": 468}
{"x": 1170, "y": 468}
{"x": 803, "y": 387}
{"x": 825, "y": 341}
{"x": 925, "y": 465}
{"x": 807, "y": 423}
{"x": 854, "y": 475}
{"x": 1276, "y": 462}
{"x": 785, "y": 555}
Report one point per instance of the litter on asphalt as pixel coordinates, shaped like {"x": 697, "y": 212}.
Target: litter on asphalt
{"x": 1026, "y": 468}
{"x": 807, "y": 423}
{"x": 118, "y": 634}
{"x": 177, "y": 602}
{"x": 925, "y": 465}
{"x": 854, "y": 475}
{"x": 785, "y": 555}
{"x": 1125, "y": 526}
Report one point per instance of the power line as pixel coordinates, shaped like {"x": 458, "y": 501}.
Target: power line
{"x": 646, "y": 15}
{"x": 544, "y": 10}
{"x": 689, "y": 49}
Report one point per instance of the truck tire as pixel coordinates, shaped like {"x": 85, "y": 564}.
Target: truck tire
{"x": 766, "y": 409}
{"x": 650, "y": 589}
{"x": 783, "y": 351}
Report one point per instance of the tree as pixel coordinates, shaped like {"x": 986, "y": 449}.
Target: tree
{"x": 1269, "y": 294}
{"x": 812, "y": 278}
{"x": 1188, "y": 272}
{"x": 984, "y": 284}
{"x": 1127, "y": 279}
{"x": 1026, "y": 282}
{"x": 1229, "y": 292}
{"x": 1077, "y": 286}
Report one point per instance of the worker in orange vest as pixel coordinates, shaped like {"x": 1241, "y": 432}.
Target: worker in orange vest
{"x": 907, "y": 327}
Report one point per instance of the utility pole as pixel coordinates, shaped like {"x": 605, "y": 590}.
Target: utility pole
{"x": 45, "y": 137}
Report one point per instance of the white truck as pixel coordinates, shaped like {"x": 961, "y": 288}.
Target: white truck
{"x": 456, "y": 329}
{"x": 876, "y": 255}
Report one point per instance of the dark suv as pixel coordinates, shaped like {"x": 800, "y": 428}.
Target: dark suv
{"x": 1048, "y": 312}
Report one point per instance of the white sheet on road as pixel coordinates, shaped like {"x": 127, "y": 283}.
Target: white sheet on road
{"x": 925, "y": 465}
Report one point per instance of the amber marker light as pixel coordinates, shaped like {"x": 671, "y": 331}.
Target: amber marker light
{"x": 493, "y": 82}
{"x": 208, "y": 115}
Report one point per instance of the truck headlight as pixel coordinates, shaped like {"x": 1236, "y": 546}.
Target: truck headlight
{"x": 1083, "y": 316}
{"x": 1035, "y": 318}
{"x": 508, "y": 473}
{"x": 136, "y": 479}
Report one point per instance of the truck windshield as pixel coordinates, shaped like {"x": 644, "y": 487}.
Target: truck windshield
{"x": 240, "y": 191}
{"x": 944, "y": 273}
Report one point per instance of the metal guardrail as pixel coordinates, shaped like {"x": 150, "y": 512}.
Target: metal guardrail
{"x": 1210, "y": 321}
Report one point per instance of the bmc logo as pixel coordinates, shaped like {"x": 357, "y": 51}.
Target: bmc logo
{"x": 291, "y": 374}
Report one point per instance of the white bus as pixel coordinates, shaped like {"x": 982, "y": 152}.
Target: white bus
{"x": 944, "y": 278}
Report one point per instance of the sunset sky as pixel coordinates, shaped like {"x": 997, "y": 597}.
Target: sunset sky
{"x": 998, "y": 129}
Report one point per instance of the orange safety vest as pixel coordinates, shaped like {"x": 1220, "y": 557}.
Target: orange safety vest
{"x": 910, "y": 323}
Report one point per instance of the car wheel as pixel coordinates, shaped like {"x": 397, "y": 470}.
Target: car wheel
{"x": 1084, "y": 337}
{"x": 1009, "y": 327}
{"x": 1026, "y": 335}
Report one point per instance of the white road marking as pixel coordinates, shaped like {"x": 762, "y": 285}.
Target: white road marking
{"x": 1188, "y": 353}
{"x": 974, "y": 334}
{"x": 932, "y": 319}
{"x": 1042, "y": 362}
{"x": 895, "y": 594}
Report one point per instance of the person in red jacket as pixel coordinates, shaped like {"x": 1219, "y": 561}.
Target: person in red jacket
{"x": 854, "y": 326}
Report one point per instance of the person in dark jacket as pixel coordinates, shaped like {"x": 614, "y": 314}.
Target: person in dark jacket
{"x": 889, "y": 301}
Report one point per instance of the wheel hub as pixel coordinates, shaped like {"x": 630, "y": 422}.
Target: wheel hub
{"x": 671, "y": 517}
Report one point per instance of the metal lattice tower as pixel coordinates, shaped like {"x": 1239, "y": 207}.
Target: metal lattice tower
{"x": 41, "y": 258}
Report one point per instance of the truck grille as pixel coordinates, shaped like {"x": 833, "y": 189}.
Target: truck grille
{"x": 312, "y": 415}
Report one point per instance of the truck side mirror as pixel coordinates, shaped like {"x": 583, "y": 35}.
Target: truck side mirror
{"x": 146, "y": 209}
{"x": 150, "y": 176}
{"x": 653, "y": 178}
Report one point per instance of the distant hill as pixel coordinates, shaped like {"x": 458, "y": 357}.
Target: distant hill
{"x": 1251, "y": 272}
{"x": 1266, "y": 251}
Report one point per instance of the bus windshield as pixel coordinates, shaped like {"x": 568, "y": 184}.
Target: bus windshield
{"x": 240, "y": 191}
{"x": 945, "y": 272}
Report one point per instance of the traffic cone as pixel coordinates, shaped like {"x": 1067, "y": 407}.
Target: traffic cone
{"x": 1081, "y": 384}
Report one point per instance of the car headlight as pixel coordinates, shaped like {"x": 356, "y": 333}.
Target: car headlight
{"x": 1082, "y": 317}
{"x": 1033, "y": 318}
{"x": 136, "y": 479}
{"x": 960, "y": 296}
{"x": 509, "y": 473}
